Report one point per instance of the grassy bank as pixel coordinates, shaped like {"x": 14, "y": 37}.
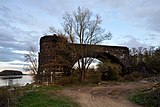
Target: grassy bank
{"x": 37, "y": 99}
{"x": 45, "y": 96}
{"x": 29, "y": 96}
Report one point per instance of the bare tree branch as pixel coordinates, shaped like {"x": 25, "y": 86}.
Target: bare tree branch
{"x": 31, "y": 59}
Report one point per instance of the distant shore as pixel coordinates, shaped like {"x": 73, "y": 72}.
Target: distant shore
{"x": 10, "y": 72}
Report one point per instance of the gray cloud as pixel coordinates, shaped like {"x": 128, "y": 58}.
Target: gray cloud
{"x": 153, "y": 35}
{"x": 133, "y": 42}
{"x": 142, "y": 13}
{"x": 16, "y": 39}
{"x": 4, "y": 10}
{"x": 5, "y": 35}
{"x": 7, "y": 55}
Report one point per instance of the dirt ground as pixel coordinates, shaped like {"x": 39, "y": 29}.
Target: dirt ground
{"x": 111, "y": 94}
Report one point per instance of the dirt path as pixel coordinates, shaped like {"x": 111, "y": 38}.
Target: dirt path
{"x": 108, "y": 95}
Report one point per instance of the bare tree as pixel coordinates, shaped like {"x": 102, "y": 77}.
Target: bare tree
{"x": 83, "y": 27}
{"x": 31, "y": 59}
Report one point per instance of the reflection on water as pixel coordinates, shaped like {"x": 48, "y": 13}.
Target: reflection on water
{"x": 15, "y": 80}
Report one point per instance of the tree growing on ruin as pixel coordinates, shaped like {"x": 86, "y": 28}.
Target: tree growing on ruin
{"x": 83, "y": 27}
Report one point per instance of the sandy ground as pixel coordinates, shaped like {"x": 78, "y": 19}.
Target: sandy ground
{"x": 105, "y": 95}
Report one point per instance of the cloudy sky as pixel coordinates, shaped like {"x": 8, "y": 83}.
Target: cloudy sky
{"x": 133, "y": 23}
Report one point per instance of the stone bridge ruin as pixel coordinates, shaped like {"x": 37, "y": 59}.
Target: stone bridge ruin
{"x": 57, "y": 56}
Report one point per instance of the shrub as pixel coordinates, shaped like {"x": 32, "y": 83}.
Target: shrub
{"x": 114, "y": 75}
{"x": 70, "y": 80}
{"x": 147, "y": 99}
{"x": 9, "y": 96}
{"x": 110, "y": 71}
{"x": 133, "y": 76}
{"x": 93, "y": 78}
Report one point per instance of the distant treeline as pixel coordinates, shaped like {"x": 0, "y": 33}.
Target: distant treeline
{"x": 149, "y": 57}
{"x": 10, "y": 72}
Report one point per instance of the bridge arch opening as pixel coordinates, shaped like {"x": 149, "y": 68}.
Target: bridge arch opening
{"x": 103, "y": 63}
{"x": 103, "y": 57}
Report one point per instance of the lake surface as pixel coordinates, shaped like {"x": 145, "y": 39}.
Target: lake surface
{"x": 21, "y": 80}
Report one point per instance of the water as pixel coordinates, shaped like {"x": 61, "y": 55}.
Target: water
{"x": 20, "y": 80}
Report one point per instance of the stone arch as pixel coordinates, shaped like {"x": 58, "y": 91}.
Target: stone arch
{"x": 51, "y": 55}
